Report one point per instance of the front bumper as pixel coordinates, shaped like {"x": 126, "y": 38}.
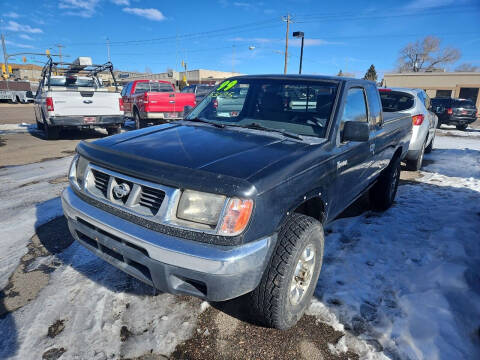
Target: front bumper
{"x": 170, "y": 264}
{"x": 101, "y": 120}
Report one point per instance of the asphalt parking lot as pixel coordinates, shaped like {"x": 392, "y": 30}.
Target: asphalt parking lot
{"x": 75, "y": 298}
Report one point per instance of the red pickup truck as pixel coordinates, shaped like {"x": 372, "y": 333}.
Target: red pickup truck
{"x": 154, "y": 101}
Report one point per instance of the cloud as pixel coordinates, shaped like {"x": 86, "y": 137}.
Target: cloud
{"x": 82, "y": 8}
{"x": 12, "y": 15}
{"x": 429, "y": 4}
{"x": 121, "y": 2}
{"x": 19, "y": 45}
{"x": 243, "y": 5}
{"x": 151, "y": 14}
{"x": 25, "y": 36}
{"x": 14, "y": 26}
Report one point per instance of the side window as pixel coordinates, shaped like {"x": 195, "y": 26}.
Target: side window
{"x": 141, "y": 87}
{"x": 128, "y": 88}
{"x": 355, "y": 108}
{"x": 375, "y": 105}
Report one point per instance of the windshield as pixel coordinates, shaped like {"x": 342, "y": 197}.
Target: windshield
{"x": 465, "y": 104}
{"x": 153, "y": 87}
{"x": 396, "y": 101}
{"x": 72, "y": 81}
{"x": 296, "y": 106}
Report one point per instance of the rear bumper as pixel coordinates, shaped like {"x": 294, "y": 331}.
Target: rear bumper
{"x": 161, "y": 115}
{"x": 101, "y": 120}
{"x": 458, "y": 120}
{"x": 170, "y": 264}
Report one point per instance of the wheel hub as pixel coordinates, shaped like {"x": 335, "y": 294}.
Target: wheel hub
{"x": 302, "y": 275}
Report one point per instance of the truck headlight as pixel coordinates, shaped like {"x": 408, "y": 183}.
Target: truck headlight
{"x": 199, "y": 207}
{"x": 206, "y": 209}
{"x": 76, "y": 174}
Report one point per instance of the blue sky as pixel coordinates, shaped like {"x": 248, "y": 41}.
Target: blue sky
{"x": 247, "y": 36}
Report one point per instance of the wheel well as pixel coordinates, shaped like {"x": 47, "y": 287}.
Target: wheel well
{"x": 313, "y": 207}
{"x": 397, "y": 153}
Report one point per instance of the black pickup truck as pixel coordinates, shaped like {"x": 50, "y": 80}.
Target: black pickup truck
{"x": 233, "y": 201}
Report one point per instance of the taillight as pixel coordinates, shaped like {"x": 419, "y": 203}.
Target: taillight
{"x": 384, "y": 90}
{"x": 49, "y": 102}
{"x": 120, "y": 104}
{"x": 215, "y": 103}
{"x": 449, "y": 111}
{"x": 417, "y": 119}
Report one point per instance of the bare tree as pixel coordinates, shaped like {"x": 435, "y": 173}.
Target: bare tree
{"x": 467, "y": 67}
{"x": 426, "y": 55}
{"x": 148, "y": 70}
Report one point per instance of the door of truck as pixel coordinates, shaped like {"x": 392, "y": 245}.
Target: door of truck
{"x": 355, "y": 159}
{"x": 128, "y": 99}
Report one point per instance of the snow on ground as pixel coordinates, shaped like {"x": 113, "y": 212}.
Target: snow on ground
{"x": 452, "y": 131}
{"x": 96, "y": 300}
{"x": 405, "y": 282}
{"x": 27, "y": 200}
{"x": 17, "y": 128}
{"x": 408, "y": 280}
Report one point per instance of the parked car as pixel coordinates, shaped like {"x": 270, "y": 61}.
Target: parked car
{"x": 416, "y": 103}
{"x": 72, "y": 96}
{"x": 217, "y": 207}
{"x": 458, "y": 112}
{"x": 154, "y": 101}
{"x": 200, "y": 91}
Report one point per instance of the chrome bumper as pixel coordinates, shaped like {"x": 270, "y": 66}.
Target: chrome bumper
{"x": 170, "y": 264}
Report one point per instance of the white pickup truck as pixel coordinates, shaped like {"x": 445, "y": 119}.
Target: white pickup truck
{"x": 72, "y": 95}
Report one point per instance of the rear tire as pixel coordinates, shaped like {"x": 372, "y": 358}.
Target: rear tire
{"x": 429, "y": 148}
{"x": 291, "y": 275}
{"x": 51, "y": 132}
{"x": 462, "y": 127}
{"x": 416, "y": 164}
{"x": 113, "y": 130}
{"x": 139, "y": 122}
{"x": 382, "y": 194}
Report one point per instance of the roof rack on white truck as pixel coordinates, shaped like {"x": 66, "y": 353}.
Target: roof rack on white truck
{"x": 73, "y": 95}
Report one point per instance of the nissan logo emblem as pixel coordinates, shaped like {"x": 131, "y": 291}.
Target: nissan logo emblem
{"x": 121, "y": 190}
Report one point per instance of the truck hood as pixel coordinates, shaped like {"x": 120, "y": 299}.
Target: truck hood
{"x": 222, "y": 160}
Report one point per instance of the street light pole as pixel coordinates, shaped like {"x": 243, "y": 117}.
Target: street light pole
{"x": 300, "y": 34}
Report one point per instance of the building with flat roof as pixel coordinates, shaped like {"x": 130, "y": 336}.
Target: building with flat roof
{"x": 463, "y": 85}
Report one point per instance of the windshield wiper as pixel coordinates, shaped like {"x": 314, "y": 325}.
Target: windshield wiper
{"x": 257, "y": 126}
{"x": 197, "y": 119}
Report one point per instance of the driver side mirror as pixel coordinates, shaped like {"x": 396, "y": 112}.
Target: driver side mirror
{"x": 355, "y": 131}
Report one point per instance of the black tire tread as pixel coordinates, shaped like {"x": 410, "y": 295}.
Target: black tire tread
{"x": 378, "y": 193}
{"x": 265, "y": 296}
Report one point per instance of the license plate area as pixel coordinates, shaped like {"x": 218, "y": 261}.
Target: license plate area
{"x": 89, "y": 119}
{"x": 171, "y": 115}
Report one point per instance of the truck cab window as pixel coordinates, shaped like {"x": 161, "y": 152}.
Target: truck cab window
{"x": 375, "y": 105}
{"x": 355, "y": 107}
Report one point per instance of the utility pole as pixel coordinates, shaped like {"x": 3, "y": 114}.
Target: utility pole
{"x": 233, "y": 58}
{"x": 60, "y": 46}
{"x": 288, "y": 20}
{"x": 108, "y": 50}
{"x": 5, "y": 57}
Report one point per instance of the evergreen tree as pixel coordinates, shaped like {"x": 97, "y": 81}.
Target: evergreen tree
{"x": 340, "y": 73}
{"x": 371, "y": 74}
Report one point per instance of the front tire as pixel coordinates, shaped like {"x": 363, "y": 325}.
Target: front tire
{"x": 382, "y": 194}
{"x": 462, "y": 127}
{"x": 292, "y": 273}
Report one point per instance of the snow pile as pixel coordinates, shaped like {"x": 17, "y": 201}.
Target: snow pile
{"x": 407, "y": 281}
{"x": 17, "y": 128}
{"x": 107, "y": 314}
{"x": 27, "y": 200}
